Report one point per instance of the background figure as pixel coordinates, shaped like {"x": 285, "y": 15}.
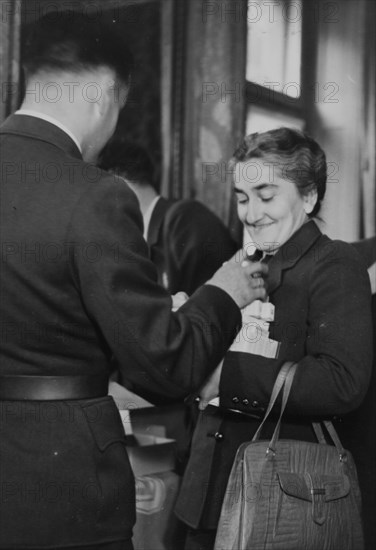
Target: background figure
{"x": 367, "y": 249}
{"x": 322, "y": 320}
{"x": 187, "y": 242}
{"x": 77, "y": 288}
{"x": 358, "y": 430}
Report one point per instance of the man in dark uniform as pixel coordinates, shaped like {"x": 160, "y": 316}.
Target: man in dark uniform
{"x": 76, "y": 289}
{"x": 187, "y": 242}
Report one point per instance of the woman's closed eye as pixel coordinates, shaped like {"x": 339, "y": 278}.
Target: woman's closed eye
{"x": 266, "y": 197}
{"x": 244, "y": 200}
{"x": 241, "y": 199}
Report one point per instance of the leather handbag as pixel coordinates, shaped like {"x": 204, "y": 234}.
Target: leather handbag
{"x": 291, "y": 495}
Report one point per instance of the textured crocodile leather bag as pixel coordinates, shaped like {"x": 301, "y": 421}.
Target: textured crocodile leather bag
{"x": 291, "y": 495}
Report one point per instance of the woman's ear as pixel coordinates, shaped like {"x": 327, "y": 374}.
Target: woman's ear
{"x": 309, "y": 201}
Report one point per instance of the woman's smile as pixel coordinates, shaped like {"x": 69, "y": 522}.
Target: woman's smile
{"x": 269, "y": 206}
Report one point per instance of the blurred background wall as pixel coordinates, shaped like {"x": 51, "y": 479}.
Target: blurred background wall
{"x": 207, "y": 71}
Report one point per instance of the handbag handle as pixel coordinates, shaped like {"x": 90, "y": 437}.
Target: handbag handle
{"x": 336, "y": 440}
{"x": 285, "y": 396}
{"x": 278, "y": 385}
{"x": 284, "y": 380}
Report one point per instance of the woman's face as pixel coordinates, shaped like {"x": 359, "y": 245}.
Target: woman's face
{"x": 269, "y": 205}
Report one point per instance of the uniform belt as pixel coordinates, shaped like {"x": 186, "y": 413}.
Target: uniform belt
{"x": 52, "y": 388}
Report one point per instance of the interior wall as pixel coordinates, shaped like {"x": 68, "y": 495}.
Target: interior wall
{"x": 368, "y": 226}
{"x": 210, "y": 101}
{"x": 335, "y": 118}
{"x": 214, "y": 100}
{"x": 10, "y": 18}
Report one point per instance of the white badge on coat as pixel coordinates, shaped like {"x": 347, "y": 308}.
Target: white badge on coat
{"x": 253, "y": 337}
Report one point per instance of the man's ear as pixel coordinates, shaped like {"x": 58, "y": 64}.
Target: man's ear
{"x": 103, "y": 101}
{"x": 103, "y": 92}
{"x": 309, "y": 201}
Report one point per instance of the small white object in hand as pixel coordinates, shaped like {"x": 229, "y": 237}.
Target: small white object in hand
{"x": 178, "y": 300}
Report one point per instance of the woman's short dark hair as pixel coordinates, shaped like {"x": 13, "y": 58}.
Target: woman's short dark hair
{"x": 297, "y": 156}
{"x": 74, "y": 41}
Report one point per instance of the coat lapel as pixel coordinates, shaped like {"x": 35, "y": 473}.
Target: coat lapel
{"x": 291, "y": 252}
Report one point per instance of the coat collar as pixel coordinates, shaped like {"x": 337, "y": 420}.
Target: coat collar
{"x": 291, "y": 252}
{"x": 39, "y": 129}
{"x": 157, "y": 219}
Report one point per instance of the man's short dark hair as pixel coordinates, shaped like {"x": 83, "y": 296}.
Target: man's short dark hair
{"x": 73, "y": 41}
{"x": 129, "y": 160}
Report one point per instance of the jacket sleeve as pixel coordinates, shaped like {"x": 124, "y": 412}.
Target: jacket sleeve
{"x": 160, "y": 353}
{"x": 196, "y": 244}
{"x": 334, "y": 372}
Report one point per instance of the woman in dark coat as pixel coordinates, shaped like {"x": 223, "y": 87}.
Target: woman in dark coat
{"x": 322, "y": 319}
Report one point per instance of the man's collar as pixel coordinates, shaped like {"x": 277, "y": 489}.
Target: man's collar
{"x": 52, "y": 120}
{"x": 42, "y": 130}
{"x": 148, "y": 214}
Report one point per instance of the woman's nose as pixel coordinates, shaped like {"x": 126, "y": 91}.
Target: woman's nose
{"x": 254, "y": 212}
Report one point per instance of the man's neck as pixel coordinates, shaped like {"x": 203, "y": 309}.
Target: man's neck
{"x": 87, "y": 111}
{"x": 58, "y": 112}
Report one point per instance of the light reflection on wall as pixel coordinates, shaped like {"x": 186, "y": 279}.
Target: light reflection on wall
{"x": 274, "y": 44}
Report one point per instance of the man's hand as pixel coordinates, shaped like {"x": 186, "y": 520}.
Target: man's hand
{"x": 244, "y": 281}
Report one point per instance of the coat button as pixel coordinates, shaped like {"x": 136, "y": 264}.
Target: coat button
{"x": 218, "y": 436}
{"x": 245, "y": 402}
{"x": 235, "y": 399}
{"x": 255, "y": 404}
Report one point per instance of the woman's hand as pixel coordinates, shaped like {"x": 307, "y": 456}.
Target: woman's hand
{"x": 210, "y": 390}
